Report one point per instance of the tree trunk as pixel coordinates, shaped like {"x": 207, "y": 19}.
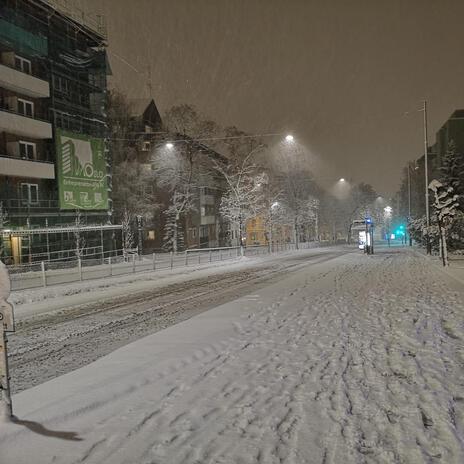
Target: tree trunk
{"x": 174, "y": 234}
{"x": 295, "y": 231}
{"x": 240, "y": 232}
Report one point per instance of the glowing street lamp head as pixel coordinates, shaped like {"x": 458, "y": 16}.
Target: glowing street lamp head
{"x": 342, "y": 179}
{"x": 169, "y": 145}
{"x": 289, "y": 138}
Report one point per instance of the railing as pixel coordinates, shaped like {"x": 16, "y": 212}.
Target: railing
{"x": 38, "y": 75}
{"x": 38, "y": 115}
{"x": 73, "y": 269}
{"x": 26, "y": 159}
{"x": 19, "y": 203}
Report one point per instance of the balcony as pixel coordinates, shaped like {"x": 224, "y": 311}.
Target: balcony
{"x": 24, "y": 126}
{"x": 23, "y": 83}
{"x": 206, "y": 220}
{"x": 206, "y": 199}
{"x": 26, "y": 168}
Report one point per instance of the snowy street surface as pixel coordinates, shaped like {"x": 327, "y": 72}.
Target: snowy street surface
{"x": 355, "y": 359}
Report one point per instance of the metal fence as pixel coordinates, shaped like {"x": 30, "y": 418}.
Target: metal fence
{"x": 54, "y": 272}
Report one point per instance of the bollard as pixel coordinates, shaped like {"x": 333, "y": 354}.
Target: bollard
{"x": 79, "y": 268}
{"x": 44, "y": 277}
{"x": 154, "y": 261}
{"x": 111, "y": 266}
{"x": 186, "y": 258}
{"x": 210, "y": 255}
{"x": 172, "y": 259}
{"x": 133, "y": 263}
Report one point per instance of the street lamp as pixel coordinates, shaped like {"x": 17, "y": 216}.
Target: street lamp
{"x": 342, "y": 180}
{"x": 409, "y": 197}
{"x": 289, "y": 138}
{"x": 169, "y": 145}
{"x": 387, "y": 213}
{"x": 274, "y": 205}
{"x": 140, "y": 240}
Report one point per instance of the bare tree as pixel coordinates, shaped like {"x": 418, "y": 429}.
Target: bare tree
{"x": 243, "y": 198}
{"x": 134, "y": 187}
{"x": 445, "y": 205}
{"x": 183, "y": 167}
{"x": 127, "y": 232}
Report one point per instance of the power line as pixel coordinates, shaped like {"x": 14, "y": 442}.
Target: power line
{"x": 203, "y": 139}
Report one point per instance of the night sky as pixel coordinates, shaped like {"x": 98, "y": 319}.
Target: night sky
{"x": 339, "y": 74}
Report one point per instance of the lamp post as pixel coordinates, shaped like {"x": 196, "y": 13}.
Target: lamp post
{"x": 387, "y": 214}
{"x": 409, "y": 198}
{"x": 274, "y": 205}
{"x": 426, "y": 173}
{"x": 139, "y": 229}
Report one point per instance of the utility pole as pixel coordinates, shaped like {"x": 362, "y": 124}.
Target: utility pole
{"x": 426, "y": 170}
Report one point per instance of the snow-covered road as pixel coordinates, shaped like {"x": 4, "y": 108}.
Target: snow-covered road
{"x": 355, "y": 360}
{"x": 50, "y": 343}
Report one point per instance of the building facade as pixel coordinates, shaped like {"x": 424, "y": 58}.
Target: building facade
{"x": 55, "y": 168}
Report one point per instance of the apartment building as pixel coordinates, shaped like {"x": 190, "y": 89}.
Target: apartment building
{"x": 54, "y": 162}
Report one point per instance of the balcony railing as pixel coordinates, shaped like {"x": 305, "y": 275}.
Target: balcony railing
{"x": 20, "y": 124}
{"x": 23, "y": 83}
{"x": 14, "y": 204}
{"x": 24, "y": 167}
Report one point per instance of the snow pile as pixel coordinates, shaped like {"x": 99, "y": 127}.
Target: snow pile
{"x": 361, "y": 361}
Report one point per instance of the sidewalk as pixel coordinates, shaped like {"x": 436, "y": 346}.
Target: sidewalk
{"x": 455, "y": 270}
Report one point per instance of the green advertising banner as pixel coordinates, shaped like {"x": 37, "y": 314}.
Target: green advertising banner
{"x": 81, "y": 168}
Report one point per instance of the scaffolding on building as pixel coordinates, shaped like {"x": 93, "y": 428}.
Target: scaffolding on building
{"x": 18, "y": 242}
{"x": 70, "y": 8}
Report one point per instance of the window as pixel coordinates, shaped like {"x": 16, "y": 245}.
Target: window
{"x": 204, "y": 232}
{"x": 26, "y": 107}
{"x": 145, "y": 145}
{"x": 60, "y": 84}
{"x": 22, "y": 64}
{"x": 29, "y": 194}
{"x": 26, "y": 150}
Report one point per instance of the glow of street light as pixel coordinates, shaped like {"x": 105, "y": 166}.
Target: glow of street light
{"x": 388, "y": 211}
{"x": 342, "y": 180}
{"x": 289, "y": 138}
{"x": 169, "y": 145}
